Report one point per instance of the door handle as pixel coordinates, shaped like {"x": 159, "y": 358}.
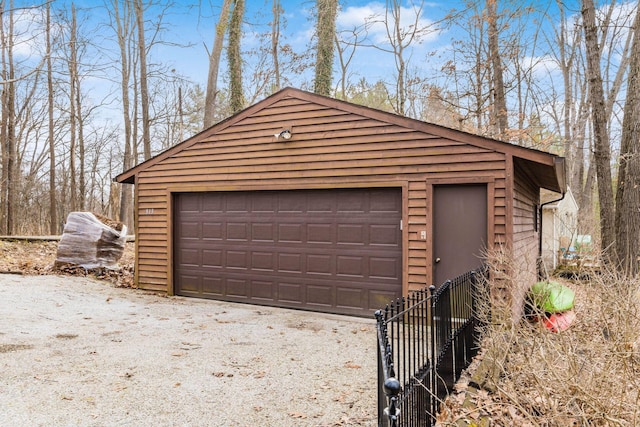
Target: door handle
{"x": 437, "y": 260}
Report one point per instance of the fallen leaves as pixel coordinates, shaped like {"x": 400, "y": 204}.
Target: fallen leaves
{"x": 6, "y": 348}
{"x": 297, "y": 415}
{"x": 351, "y": 365}
{"x": 38, "y": 257}
{"x": 66, "y": 336}
{"x": 577, "y": 377}
{"x": 27, "y": 257}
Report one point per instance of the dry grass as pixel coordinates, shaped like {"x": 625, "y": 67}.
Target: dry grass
{"x": 588, "y": 375}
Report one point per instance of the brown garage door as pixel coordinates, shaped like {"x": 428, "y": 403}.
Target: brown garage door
{"x": 336, "y": 251}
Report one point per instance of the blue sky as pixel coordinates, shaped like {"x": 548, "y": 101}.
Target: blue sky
{"x": 194, "y": 26}
{"x": 189, "y": 28}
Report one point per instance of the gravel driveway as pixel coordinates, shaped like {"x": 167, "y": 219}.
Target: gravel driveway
{"x": 79, "y": 352}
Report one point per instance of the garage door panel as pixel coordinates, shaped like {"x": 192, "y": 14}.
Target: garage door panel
{"x": 350, "y": 298}
{"x": 263, "y": 232}
{"x": 236, "y": 260}
{"x": 237, "y": 231}
{"x": 320, "y": 233}
{"x": 212, "y": 205}
{"x": 290, "y": 263}
{"x": 345, "y": 202}
{"x": 381, "y": 204}
{"x": 353, "y": 266}
{"x": 190, "y": 203}
{"x": 190, "y": 230}
{"x": 213, "y": 286}
{"x": 384, "y": 268}
{"x": 292, "y": 233}
{"x": 189, "y": 257}
{"x": 319, "y": 264}
{"x": 290, "y": 293}
{"x": 263, "y": 261}
{"x": 380, "y": 298}
{"x": 263, "y": 290}
{"x": 264, "y": 202}
{"x": 190, "y": 283}
{"x": 354, "y": 234}
{"x": 212, "y": 258}
{"x": 292, "y": 204}
{"x": 384, "y": 234}
{"x": 327, "y": 250}
{"x": 319, "y": 295}
{"x": 237, "y": 288}
{"x": 212, "y": 230}
{"x": 319, "y": 205}
{"x": 237, "y": 202}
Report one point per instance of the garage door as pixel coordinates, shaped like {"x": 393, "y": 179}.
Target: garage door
{"x": 336, "y": 251}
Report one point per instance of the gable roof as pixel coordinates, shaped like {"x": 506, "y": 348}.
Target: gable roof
{"x": 545, "y": 169}
{"x": 550, "y": 200}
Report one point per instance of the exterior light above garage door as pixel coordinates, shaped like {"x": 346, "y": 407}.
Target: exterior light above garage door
{"x": 285, "y": 134}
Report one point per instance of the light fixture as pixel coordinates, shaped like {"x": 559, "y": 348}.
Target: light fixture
{"x": 285, "y": 134}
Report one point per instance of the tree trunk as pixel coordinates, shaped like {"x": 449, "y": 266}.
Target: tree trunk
{"x": 325, "y": 29}
{"x": 4, "y": 177}
{"x": 500, "y": 116}
{"x": 602, "y": 150}
{"x": 72, "y": 64}
{"x": 144, "y": 91}
{"x": 122, "y": 30}
{"x": 628, "y": 193}
{"x": 566, "y": 66}
{"x": 275, "y": 42}
{"x": 8, "y": 129}
{"x": 235, "y": 57}
{"x": 77, "y": 165}
{"x": 214, "y": 65}
{"x": 53, "y": 207}
{"x": 401, "y": 66}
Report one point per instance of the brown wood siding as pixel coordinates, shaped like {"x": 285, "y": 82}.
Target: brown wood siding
{"x": 330, "y": 148}
{"x": 525, "y": 239}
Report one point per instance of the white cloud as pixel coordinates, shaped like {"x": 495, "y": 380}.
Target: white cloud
{"x": 28, "y": 30}
{"x": 375, "y": 18}
{"x": 541, "y": 66}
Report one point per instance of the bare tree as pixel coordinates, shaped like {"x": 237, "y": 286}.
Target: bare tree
{"x": 275, "y": 41}
{"x": 500, "y": 115}
{"x": 234, "y": 56}
{"x": 8, "y": 185}
{"x": 347, "y": 42}
{"x": 602, "y": 149}
{"x": 53, "y": 208}
{"x": 144, "y": 91}
{"x": 123, "y": 27}
{"x": 627, "y": 219}
{"x": 325, "y": 31}
{"x": 74, "y": 112}
{"x": 214, "y": 64}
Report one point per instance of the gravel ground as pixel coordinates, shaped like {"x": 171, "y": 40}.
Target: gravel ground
{"x": 79, "y": 352}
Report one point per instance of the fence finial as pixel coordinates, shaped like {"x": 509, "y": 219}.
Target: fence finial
{"x": 392, "y": 388}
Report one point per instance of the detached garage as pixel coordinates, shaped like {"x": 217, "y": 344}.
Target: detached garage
{"x": 308, "y": 202}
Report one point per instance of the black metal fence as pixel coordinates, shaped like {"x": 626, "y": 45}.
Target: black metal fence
{"x": 425, "y": 340}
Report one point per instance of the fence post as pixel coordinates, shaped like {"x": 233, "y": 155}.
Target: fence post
{"x": 434, "y": 357}
{"x": 390, "y": 385}
{"x": 392, "y": 389}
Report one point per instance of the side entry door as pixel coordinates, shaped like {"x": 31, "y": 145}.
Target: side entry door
{"x": 459, "y": 229}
